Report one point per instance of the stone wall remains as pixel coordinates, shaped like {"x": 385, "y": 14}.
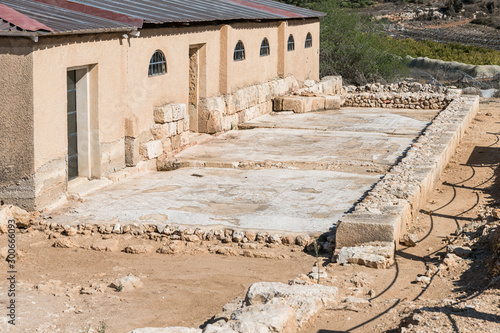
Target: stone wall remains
{"x": 401, "y": 95}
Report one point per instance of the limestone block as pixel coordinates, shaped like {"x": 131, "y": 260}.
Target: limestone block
{"x": 264, "y": 318}
{"x": 172, "y": 128}
{"x": 293, "y": 103}
{"x": 309, "y": 83}
{"x": 127, "y": 283}
{"x": 214, "y": 122}
{"x": 375, "y": 255}
{"x": 176, "y": 142}
{"x": 180, "y": 126}
{"x": 264, "y": 92}
{"x": 184, "y": 138}
{"x": 230, "y": 107}
{"x": 167, "y": 145}
{"x": 291, "y": 83}
{"x": 278, "y": 104}
{"x": 333, "y": 102}
{"x": 274, "y": 88}
{"x": 160, "y": 131}
{"x": 152, "y": 149}
{"x": 165, "y": 163}
{"x": 166, "y": 330}
{"x": 179, "y": 111}
{"x": 283, "y": 88}
{"x": 317, "y": 103}
{"x": 306, "y": 300}
{"x": 185, "y": 123}
{"x": 19, "y": 215}
{"x": 163, "y": 114}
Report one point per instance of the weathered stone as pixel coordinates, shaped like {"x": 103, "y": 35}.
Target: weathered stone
{"x": 107, "y": 245}
{"x": 238, "y": 236}
{"x": 423, "y": 279}
{"x": 138, "y": 249}
{"x": 152, "y": 149}
{"x": 250, "y": 235}
{"x": 70, "y": 231}
{"x": 64, "y": 244}
{"x": 410, "y": 240}
{"x": 303, "y": 240}
{"x": 19, "y": 215}
{"x": 163, "y": 114}
{"x": 307, "y": 300}
{"x": 461, "y": 251}
{"x": 333, "y": 102}
{"x": 375, "y": 255}
{"x": 127, "y": 283}
{"x": 264, "y": 318}
{"x": 166, "y": 330}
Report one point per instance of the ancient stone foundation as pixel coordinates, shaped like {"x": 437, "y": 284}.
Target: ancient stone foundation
{"x": 384, "y": 212}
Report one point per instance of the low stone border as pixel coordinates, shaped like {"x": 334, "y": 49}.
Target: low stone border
{"x": 159, "y": 231}
{"x": 383, "y": 214}
{"x": 399, "y": 100}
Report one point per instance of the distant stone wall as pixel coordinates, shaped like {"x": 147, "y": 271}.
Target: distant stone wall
{"x": 399, "y": 96}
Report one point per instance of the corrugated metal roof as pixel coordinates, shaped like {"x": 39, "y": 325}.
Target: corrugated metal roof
{"x": 6, "y": 26}
{"x": 61, "y": 20}
{"x": 165, "y": 11}
{"x": 78, "y": 16}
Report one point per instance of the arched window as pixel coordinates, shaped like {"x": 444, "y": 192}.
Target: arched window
{"x": 309, "y": 40}
{"x": 264, "y": 48}
{"x": 239, "y": 51}
{"x": 291, "y": 43}
{"x": 157, "y": 64}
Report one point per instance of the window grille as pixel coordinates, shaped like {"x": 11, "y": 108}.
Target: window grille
{"x": 157, "y": 64}
{"x": 309, "y": 40}
{"x": 264, "y": 48}
{"x": 239, "y": 51}
{"x": 291, "y": 43}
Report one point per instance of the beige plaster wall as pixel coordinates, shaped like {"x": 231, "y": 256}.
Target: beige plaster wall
{"x": 16, "y": 122}
{"x": 254, "y": 69}
{"x": 303, "y": 63}
{"x": 104, "y": 56}
{"x": 146, "y": 93}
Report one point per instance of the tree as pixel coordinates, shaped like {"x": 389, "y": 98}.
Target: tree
{"x": 355, "y": 47}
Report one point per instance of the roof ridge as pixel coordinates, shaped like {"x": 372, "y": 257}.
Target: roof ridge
{"x": 20, "y": 20}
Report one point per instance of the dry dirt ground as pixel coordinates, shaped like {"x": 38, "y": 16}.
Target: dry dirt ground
{"x": 67, "y": 290}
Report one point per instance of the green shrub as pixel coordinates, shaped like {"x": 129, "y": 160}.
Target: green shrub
{"x": 447, "y": 52}
{"x": 355, "y": 47}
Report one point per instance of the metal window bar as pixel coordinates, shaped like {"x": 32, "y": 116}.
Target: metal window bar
{"x": 264, "y": 48}
{"x": 309, "y": 41}
{"x": 157, "y": 64}
{"x": 239, "y": 51}
{"x": 291, "y": 43}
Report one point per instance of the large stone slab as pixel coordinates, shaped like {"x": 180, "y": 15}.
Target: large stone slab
{"x": 398, "y": 122}
{"x": 305, "y": 149}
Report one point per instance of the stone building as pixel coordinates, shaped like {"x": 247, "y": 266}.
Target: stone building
{"x": 89, "y": 87}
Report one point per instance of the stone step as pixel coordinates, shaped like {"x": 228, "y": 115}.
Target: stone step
{"x": 302, "y": 104}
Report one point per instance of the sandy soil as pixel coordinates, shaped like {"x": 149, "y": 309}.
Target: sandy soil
{"x": 67, "y": 290}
